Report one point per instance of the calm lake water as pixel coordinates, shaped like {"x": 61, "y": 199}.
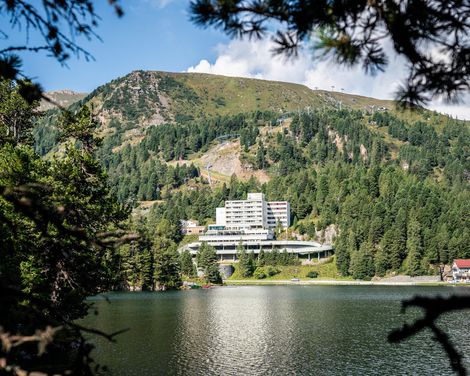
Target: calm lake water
{"x": 272, "y": 330}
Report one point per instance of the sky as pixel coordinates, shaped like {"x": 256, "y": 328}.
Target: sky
{"x": 158, "y": 35}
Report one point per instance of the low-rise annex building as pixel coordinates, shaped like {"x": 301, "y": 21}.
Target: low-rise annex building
{"x": 191, "y": 227}
{"x": 461, "y": 270}
{"x": 251, "y": 223}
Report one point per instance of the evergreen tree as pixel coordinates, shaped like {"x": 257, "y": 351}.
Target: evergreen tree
{"x": 362, "y": 262}
{"x": 414, "y": 248}
{"x": 342, "y": 255}
{"x": 57, "y": 222}
{"x": 186, "y": 263}
{"x": 212, "y": 274}
{"x": 261, "y": 156}
{"x": 398, "y": 238}
{"x": 206, "y": 259}
{"x": 246, "y": 262}
{"x": 167, "y": 269}
{"x": 261, "y": 258}
{"x": 382, "y": 262}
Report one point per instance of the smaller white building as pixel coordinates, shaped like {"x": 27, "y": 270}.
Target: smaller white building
{"x": 461, "y": 270}
{"x": 190, "y": 227}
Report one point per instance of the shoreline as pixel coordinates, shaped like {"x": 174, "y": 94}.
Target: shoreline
{"x": 333, "y": 282}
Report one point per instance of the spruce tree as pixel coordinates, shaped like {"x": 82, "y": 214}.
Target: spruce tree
{"x": 342, "y": 255}
{"x": 414, "y": 248}
{"x": 382, "y": 262}
{"x": 362, "y": 262}
{"x": 246, "y": 262}
{"x": 167, "y": 270}
{"x": 261, "y": 258}
{"x": 186, "y": 263}
{"x": 398, "y": 238}
{"x": 261, "y": 156}
{"x": 212, "y": 274}
{"x": 206, "y": 259}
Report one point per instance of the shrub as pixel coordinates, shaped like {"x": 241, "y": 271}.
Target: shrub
{"x": 312, "y": 274}
{"x": 259, "y": 273}
{"x": 270, "y": 271}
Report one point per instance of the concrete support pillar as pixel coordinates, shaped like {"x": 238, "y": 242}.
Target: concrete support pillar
{"x": 309, "y": 256}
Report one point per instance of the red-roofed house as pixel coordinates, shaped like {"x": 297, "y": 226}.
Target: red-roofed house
{"x": 461, "y": 270}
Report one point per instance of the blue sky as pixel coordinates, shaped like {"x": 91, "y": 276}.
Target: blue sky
{"x": 158, "y": 35}
{"x": 153, "y": 34}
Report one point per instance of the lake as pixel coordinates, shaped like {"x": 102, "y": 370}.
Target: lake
{"x": 272, "y": 330}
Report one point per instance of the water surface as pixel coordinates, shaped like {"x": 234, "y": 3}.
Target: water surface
{"x": 272, "y": 330}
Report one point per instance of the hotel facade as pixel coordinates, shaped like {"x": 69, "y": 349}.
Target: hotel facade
{"x": 254, "y": 212}
{"x": 252, "y": 222}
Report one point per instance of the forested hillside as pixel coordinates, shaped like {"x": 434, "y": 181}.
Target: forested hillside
{"x": 128, "y": 105}
{"x": 393, "y": 186}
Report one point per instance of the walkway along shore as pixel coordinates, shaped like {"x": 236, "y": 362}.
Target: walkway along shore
{"x": 394, "y": 281}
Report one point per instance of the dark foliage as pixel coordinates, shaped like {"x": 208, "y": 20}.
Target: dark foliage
{"x": 58, "y": 228}
{"x": 433, "y": 308}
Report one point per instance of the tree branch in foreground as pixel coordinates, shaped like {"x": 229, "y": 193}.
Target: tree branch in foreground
{"x": 433, "y": 309}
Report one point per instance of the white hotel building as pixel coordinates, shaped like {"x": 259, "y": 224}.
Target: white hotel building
{"x": 254, "y": 212}
{"x": 251, "y": 222}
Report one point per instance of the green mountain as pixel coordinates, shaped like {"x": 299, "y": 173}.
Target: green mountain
{"x": 128, "y": 106}
{"x": 146, "y": 98}
{"x": 389, "y": 187}
{"x": 182, "y": 118}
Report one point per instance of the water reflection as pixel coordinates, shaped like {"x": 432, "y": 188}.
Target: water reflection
{"x": 271, "y": 330}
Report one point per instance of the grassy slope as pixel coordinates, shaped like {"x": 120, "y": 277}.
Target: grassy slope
{"x": 231, "y": 95}
{"x": 325, "y": 270}
{"x": 221, "y": 95}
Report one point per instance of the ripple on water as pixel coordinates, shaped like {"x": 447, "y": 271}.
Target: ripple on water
{"x": 267, "y": 330}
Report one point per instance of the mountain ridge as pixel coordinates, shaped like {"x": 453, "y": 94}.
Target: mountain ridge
{"x": 142, "y": 99}
{"x": 62, "y": 97}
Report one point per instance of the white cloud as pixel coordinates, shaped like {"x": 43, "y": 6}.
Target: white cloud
{"x": 252, "y": 59}
{"x": 158, "y": 3}
{"x": 460, "y": 111}
{"x": 244, "y": 58}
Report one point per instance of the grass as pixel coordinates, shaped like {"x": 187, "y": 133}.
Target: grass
{"x": 189, "y": 239}
{"x": 326, "y": 270}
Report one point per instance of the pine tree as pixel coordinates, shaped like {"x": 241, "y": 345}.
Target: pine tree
{"x": 206, "y": 259}
{"x": 167, "y": 271}
{"x": 362, "y": 262}
{"x": 414, "y": 248}
{"x": 246, "y": 262}
{"x": 261, "y": 156}
{"x": 342, "y": 255}
{"x": 186, "y": 263}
